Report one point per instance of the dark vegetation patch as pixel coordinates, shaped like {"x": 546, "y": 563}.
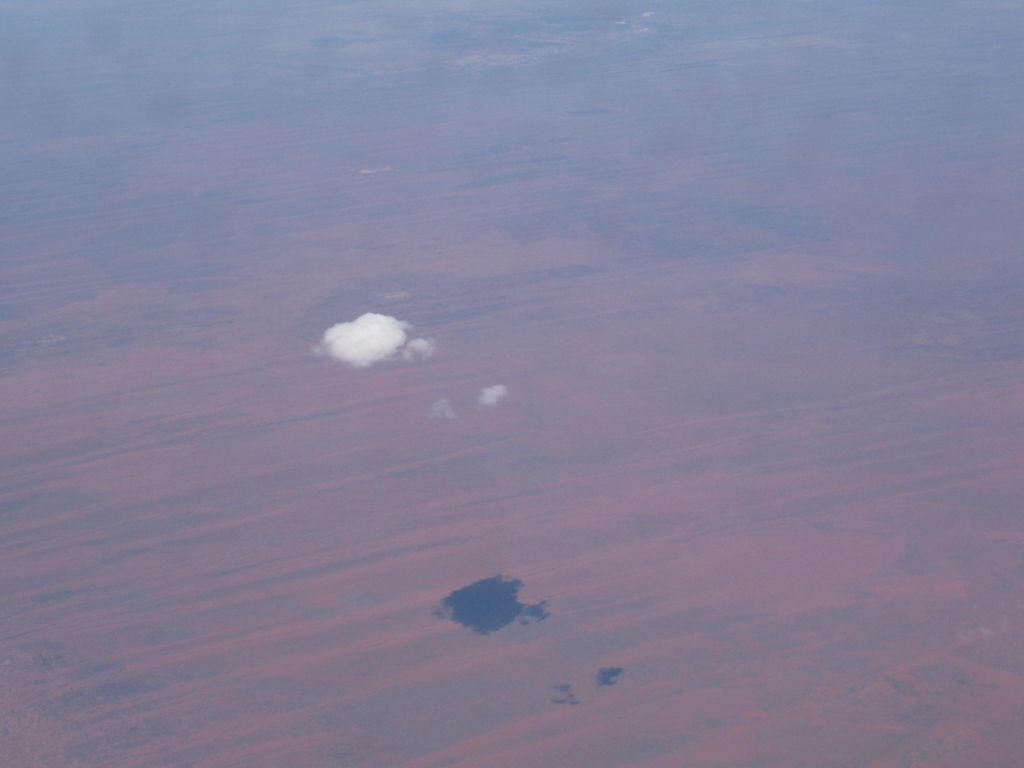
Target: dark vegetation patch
{"x": 490, "y": 604}
{"x": 112, "y": 692}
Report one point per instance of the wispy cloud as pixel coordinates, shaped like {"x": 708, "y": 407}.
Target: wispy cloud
{"x": 441, "y": 409}
{"x": 419, "y": 349}
{"x": 492, "y": 395}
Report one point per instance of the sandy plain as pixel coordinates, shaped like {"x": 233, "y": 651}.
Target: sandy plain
{"x": 751, "y": 276}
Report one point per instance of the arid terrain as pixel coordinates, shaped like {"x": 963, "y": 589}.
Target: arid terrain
{"x": 750, "y": 275}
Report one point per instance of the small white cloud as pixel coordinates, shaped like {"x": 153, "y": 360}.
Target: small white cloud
{"x": 368, "y": 339}
{"x": 441, "y": 409}
{"x": 372, "y": 338}
{"x": 419, "y": 349}
{"x": 493, "y": 394}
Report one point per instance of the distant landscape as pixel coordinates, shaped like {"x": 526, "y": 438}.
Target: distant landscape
{"x": 470, "y": 384}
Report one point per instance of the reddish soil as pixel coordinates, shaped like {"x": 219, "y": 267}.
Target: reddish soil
{"x": 761, "y": 448}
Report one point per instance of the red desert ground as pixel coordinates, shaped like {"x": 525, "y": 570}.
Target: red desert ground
{"x": 483, "y": 385}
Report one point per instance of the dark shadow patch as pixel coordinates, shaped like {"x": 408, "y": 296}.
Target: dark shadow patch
{"x": 608, "y": 676}
{"x": 489, "y": 604}
{"x": 565, "y": 694}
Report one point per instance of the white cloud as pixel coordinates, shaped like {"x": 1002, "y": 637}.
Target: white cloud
{"x": 493, "y": 394}
{"x": 368, "y": 339}
{"x": 441, "y": 409}
{"x": 419, "y": 349}
{"x": 372, "y": 338}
